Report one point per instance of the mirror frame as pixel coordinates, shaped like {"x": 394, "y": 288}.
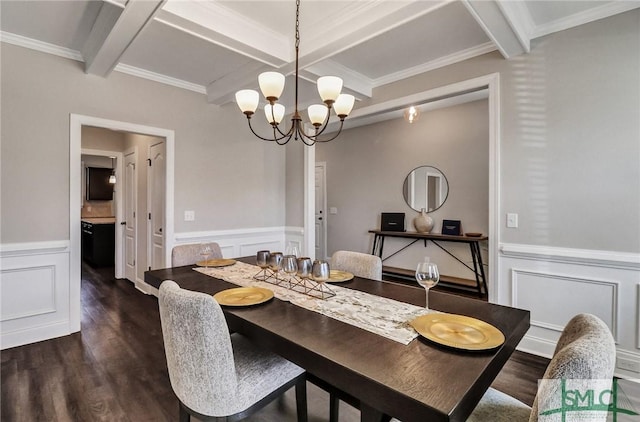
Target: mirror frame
{"x": 405, "y": 188}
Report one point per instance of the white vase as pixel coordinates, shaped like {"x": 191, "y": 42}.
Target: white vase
{"x": 423, "y": 223}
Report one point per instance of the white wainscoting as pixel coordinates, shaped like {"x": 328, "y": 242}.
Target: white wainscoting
{"x": 35, "y": 293}
{"x": 555, "y": 284}
{"x": 242, "y": 242}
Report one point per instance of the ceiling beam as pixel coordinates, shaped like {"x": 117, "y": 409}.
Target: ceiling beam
{"x": 504, "y": 24}
{"x": 114, "y": 30}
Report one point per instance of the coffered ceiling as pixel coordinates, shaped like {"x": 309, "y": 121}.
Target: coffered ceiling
{"x": 217, "y": 47}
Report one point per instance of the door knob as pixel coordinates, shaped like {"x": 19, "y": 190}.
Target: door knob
{"x": 123, "y": 223}
{"x": 160, "y": 229}
{"x": 319, "y": 218}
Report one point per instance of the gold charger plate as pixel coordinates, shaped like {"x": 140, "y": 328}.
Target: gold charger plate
{"x": 458, "y": 331}
{"x": 243, "y": 296}
{"x": 337, "y": 276}
{"x": 220, "y": 262}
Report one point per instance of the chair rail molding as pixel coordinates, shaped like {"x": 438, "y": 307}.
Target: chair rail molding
{"x": 34, "y": 291}
{"x": 246, "y": 241}
{"x": 555, "y": 283}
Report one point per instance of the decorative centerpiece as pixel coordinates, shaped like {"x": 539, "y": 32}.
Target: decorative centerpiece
{"x": 423, "y": 223}
{"x": 303, "y": 275}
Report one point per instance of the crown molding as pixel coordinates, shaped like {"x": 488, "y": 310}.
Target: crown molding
{"x": 67, "y": 53}
{"x": 436, "y": 64}
{"x": 41, "y": 46}
{"x": 590, "y": 15}
{"x": 157, "y": 77}
{"x": 518, "y": 17}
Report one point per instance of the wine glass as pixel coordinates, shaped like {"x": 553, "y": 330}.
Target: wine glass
{"x": 427, "y": 276}
{"x": 292, "y": 249}
{"x": 205, "y": 253}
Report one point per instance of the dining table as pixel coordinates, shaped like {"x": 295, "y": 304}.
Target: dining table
{"x": 419, "y": 381}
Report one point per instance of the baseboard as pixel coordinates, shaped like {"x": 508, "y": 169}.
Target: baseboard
{"x": 33, "y": 334}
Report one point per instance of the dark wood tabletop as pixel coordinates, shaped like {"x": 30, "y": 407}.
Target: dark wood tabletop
{"x": 417, "y": 382}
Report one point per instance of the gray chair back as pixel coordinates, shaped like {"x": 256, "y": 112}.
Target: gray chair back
{"x": 357, "y": 263}
{"x": 198, "y": 349}
{"x": 585, "y": 351}
{"x": 190, "y": 254}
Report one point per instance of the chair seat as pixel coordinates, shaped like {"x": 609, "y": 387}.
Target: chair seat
{"x": 496, "y": 406}
{"x": 259, "y": 372}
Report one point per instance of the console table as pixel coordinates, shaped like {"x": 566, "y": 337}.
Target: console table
{"x": 437, "y": 239}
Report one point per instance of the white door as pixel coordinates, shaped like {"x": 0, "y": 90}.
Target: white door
{"x": 155, "y": 204}
{"x": 321, "y": 211}
{"x": 130, "y": 202}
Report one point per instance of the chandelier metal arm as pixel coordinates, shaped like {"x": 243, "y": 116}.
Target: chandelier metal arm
{"x": 275, "y": 137}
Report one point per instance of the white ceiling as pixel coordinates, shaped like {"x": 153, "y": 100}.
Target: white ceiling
{"x": 217, "y": 47}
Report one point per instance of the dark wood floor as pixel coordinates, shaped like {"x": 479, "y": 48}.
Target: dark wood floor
{"x": 115, "y": 368}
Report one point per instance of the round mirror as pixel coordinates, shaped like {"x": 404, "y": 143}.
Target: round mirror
{"x": 425, "y": 187}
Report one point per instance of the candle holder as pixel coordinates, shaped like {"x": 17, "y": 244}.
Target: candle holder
{"x": 304, "y": 276}
{"x": 262, "y": 261}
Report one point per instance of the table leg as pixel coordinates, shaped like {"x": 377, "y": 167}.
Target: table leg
{"x": 369, "y": 414}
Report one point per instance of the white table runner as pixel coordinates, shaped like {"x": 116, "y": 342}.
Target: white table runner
{"x": 386, "y": 317}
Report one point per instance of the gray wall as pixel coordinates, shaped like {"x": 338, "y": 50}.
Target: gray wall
{"x": 366, "y": 168}
{"x": 222, "y": 172}
{"x": 570, "y": 152}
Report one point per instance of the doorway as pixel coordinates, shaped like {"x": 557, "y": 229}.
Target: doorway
{"x": 75, "y": 141}
{"x": 364, "y": 115}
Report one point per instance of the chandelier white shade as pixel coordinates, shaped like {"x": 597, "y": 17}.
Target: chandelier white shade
{"x": 274, "y": 113}
{"x": 272, "y": 85}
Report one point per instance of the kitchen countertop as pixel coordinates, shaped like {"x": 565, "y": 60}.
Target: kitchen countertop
{"x": 99, "y": 220}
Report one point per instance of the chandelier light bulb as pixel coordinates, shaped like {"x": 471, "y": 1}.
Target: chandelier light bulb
{"x": 329, "y": 88}
{"x": 317, "y": 114}
{"x": 344, "y": 105}
{"x": 271, "y": 85}
{"x": 247, "y": 100}
{"x": 411, "y": 114}
{"x": 272, "y": 112}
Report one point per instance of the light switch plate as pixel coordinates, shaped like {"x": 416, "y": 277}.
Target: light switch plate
{"x": 189, "y": 216}
{"x": 512, "y": 220}
{"x": 333, "y": 210}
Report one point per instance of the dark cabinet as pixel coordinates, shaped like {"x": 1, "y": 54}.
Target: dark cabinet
{"x": 98, "y": 243}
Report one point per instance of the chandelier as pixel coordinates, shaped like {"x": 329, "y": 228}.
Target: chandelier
{"x": 272, "y": 85}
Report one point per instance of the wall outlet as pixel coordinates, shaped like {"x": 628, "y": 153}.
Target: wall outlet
{"x": 189, "y": 216}
{"x": 512, "y": 220}
{"x": 628, "y": 365}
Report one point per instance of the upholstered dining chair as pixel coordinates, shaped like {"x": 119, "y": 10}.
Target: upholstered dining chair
{"x": 585, "y": 351}
{"x": 357, "y": 263}
{"x": 217, "y": 376}
{"x": 189, "y": 254}
{"x": 360, "y": 265}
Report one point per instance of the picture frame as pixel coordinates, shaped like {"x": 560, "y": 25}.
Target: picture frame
{"x": 452, "y": 227}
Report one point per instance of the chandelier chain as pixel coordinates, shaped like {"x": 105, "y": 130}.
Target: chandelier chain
{"x": 297, "y": 24}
